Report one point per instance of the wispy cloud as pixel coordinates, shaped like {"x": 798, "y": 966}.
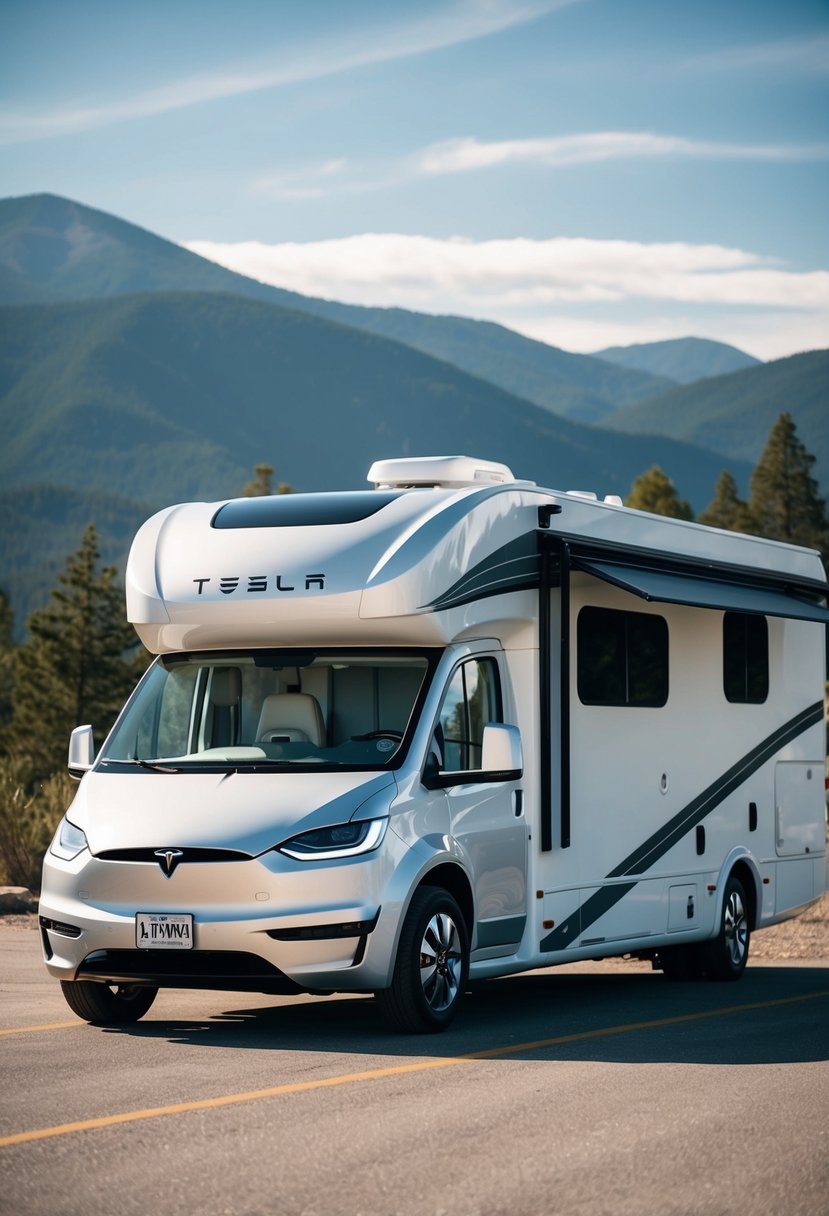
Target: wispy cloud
{"x": 455, "y": 23}
{"x": 791, "y": 54}
{"x": 524, "y": 283}
{"x": 466, "y": 154}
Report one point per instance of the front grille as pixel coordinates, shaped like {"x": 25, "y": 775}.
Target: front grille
{"x": 188, "y": 855}
{"x": 230, "y": 970}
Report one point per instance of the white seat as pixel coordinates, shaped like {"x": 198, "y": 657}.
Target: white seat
{"x": 294, "y": 717}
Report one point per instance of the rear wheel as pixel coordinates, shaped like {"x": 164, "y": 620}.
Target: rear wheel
{"x": 107, "y": 1004}
{"x": 431, "y": 967}
{"x": 726, "y": 955}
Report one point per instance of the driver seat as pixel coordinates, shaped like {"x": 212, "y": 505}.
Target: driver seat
{"x": 291, "y": 717}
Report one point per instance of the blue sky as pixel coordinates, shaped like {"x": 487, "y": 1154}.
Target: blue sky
{"x": 590, "y": 172}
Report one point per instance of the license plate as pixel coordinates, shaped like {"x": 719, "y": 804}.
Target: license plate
{"x": 164, "y": 930}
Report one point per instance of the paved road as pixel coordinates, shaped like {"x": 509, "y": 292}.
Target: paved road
{"x": 595, "y": 1089}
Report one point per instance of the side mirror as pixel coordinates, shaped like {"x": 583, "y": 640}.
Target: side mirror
{"x": 501, "y": 760}
{"x": 502, "y": 751}
{"x": 81, "y": 751}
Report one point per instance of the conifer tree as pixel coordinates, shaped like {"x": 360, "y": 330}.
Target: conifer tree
{"x": 726, "y": 509}
{"x": 6, "y": 666}
{"x": 655, "y": 492}
{"x": 72, "y": 669}
{"x": 262, "y": 483}
{"x": 785, "y": 504}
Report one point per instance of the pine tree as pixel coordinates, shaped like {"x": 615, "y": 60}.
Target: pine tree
{"x": 6, "y": 666}
{"x": 726, "y": 509}
{"x": 655, "y": 492}
{"x": 72, "y": 669}
{"x": 262, "y": 483}
{"x": 785, "y": 503}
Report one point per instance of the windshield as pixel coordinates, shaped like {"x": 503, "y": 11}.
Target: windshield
{"x": 343, "y": 709}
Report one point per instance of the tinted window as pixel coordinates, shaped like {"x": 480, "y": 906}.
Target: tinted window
{"x": 745, "y": 658}
{"x": 302, "y": 510}
{"x": 622, "y": 658}
{"x": 472, "y": 699}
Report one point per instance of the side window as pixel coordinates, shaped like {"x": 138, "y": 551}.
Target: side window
{"x": 472, "y": 699}
{"x": 622, "y": 658}
{"x": 745, "y": 652}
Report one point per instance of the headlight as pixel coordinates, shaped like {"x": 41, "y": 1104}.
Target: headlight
{"x": 69, "y": 841}
{"x": 342, "y": 840}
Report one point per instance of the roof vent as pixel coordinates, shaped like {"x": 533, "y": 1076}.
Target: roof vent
{"x": 438, "y": 472}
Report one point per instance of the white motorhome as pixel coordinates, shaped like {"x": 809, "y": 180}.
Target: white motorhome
{"x": 450, "y": 728}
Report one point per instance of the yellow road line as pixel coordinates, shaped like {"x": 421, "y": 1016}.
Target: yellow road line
{"x": 47, "y": 1026}
{"x": 396, "y": 1070}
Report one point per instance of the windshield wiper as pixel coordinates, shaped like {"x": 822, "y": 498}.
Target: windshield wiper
{"x": 147, "y": 764}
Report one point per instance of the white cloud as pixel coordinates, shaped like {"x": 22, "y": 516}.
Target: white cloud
{"x": 464, "y": 154}
{"x": 458, "y": 22}
{"x": 580, "y": 286}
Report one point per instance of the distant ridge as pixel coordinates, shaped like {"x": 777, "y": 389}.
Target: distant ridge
{"x": 680, "y": 359}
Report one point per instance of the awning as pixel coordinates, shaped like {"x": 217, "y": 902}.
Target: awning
{"x": 665, "y": 587}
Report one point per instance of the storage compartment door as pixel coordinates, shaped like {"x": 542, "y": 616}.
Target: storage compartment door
{"x": 799, "y": 808}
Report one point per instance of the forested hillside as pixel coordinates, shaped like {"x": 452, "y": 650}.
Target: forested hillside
{"x": 734, "y": 414}
{"x": 177, "y": 396}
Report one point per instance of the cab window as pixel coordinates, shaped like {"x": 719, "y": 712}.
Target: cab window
{"x": 472, "y": 699}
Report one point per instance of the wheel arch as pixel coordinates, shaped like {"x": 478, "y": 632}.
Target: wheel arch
{"x": 747, "y": 875}
{"x": 452, "y": 878}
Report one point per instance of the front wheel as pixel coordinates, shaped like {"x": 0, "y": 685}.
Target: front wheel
{"x": 726, "y": 955}
{"x": 431, "y": 967}
{"x": 107, "y": 1004}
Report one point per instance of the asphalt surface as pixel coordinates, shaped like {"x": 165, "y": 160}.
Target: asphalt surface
{"x": 593, "y": 1089}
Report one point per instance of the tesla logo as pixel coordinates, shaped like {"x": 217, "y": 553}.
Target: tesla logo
{"x": 262, "y": 582}
{"x": 168, "y": 859}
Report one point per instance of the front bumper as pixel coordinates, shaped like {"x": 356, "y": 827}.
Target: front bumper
{"x": 266, "y": 924}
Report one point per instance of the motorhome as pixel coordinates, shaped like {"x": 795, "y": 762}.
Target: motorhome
{"x": 449, "y": 728}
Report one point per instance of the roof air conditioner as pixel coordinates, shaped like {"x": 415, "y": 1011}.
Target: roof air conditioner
{"x": 444, "y": 472}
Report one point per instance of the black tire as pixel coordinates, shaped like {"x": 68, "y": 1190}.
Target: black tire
{"x": 726, "y": 955}
{"x": 432, "y": 965}
{"x": 107, "y": 1004}
{"x": 681, "y": 963}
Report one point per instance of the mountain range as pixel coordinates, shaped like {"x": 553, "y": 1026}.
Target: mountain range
{"x": 134, "y": 373}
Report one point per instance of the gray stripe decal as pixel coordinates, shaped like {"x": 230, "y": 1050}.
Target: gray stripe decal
{"x": 500, "y": 932}
{"x": 660, "y": 842}
{"x": 513, "y": 567}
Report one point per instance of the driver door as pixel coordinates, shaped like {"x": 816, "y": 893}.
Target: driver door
{"x": 487, "y": 816}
